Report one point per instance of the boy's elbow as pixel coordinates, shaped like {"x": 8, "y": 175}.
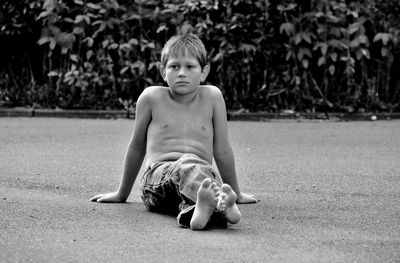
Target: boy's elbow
{"x": 221, "y": 154}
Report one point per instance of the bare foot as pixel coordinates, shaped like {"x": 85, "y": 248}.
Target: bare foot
{"x": 227, "y": 204}
{"x": 207, "y": 199}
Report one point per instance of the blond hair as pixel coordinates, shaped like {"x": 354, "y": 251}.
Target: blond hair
{"x": 182, "y": 45}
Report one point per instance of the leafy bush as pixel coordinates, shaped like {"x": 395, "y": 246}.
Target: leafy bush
{"x": 265, "y": 55}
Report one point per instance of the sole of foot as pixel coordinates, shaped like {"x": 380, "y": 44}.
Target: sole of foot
{"x": 207, "y": 199}
{"x": 227, "y": 204}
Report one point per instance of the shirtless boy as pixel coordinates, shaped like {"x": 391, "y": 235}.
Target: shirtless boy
{"x": 178, "y": 131}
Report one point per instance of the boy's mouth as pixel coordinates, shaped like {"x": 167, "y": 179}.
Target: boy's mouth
{"x": 182, "y": 83}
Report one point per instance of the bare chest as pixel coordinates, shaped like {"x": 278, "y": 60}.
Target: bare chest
{"x": 190, "y": 122}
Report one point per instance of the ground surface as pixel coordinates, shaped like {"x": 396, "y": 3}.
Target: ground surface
{"x": 329, "y": 191}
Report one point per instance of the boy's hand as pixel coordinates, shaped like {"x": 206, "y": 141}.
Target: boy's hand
{"x": 108, "y": 198}
{"x": 246, "y": 199}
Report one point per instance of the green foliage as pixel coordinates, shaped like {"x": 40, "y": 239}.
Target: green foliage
{"x": 264, "y": 55}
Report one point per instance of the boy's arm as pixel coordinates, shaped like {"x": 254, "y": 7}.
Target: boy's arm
{"x": 223, "y": 153}
{"x": 135, "y": 153}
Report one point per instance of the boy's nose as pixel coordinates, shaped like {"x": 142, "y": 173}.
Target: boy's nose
{"x": 181, "y": 72}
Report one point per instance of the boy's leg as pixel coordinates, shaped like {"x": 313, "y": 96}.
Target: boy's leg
{"x": 207, "y": 199}
{"x": 192, "y": 172}
{"x": 158, "y": 192}
{"x": 227, "y": 204}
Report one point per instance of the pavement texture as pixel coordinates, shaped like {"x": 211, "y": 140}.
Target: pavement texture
{"x": 329, "y": 191}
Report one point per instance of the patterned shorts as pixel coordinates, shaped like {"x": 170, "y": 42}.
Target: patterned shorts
{"x": 170, "y": 187}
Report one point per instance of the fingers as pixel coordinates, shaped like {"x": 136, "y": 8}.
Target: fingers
{"x": 95, "y": 198}
{"x": 101, "y": 198}
{"x": 247, "y": 199}
{"x": 108, "y": 198}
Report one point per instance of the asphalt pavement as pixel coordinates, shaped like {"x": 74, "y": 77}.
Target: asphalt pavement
{"x": 329, "y": 191}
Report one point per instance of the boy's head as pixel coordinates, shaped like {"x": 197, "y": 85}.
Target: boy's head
{"x": 184, "y": 45}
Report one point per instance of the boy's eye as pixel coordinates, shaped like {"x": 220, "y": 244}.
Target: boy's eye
{"x": 191, "y": 66}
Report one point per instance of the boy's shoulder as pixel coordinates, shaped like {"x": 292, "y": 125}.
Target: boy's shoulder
{"x": 157, "y": 91}
{"x": 153, "y": 90}
{"x": 210, "y": 90}
{"x": 153, "y": 93}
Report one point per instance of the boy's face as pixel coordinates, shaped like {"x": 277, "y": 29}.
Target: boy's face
{"x": 184, "y": 74}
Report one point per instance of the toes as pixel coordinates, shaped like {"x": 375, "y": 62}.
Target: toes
{"x": 226, "y": 188}
{"x": 213, "y": 184}
{"x": 206, "y": 183}
{"x": 216, "y": 190}
{"x": 221, "y": 203}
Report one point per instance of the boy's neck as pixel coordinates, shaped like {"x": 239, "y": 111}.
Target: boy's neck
{"x": 185, "y": 99}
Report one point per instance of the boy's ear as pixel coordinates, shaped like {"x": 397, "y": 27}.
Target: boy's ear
{"x": 162, "y": 72}
{"x": 205, "y": 72}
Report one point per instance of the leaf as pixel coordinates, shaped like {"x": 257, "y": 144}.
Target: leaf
{"x": 306, "y": 37}
{"x": 333, "y": 19}
{"x": 288, "y": 28}
{"x": 297, "y": 38}
{"x": 113, "y": 46}
{"x": 385, "y": 37}
{"x": 384, "y": 51}
{"x": 134, "y": 17}
{"x": 154, "y": 65}
{"x": 305, "y": 63}
{"x": 43, "y": 40}
{"x": 302, "y": 52}
{"x": 53, "y": 74}
{"x": 354, "y": 43}
{"x": 349, "y": 70}
{"x": 336, "y": 32}
{"x": 353, "y": 28}
{"x": 134, "y": 41}
{"x": 353, "y": 13}
{"x": 74, "y": 58}
{"x": 366, "y": 53}
{"x": 321, "y": 61}
{"x": 90, "y": 42}
{"x": 334, "y": 56}
{"x": 247, "y": 47}
{"x": 161, "y": 28}
{"x": 78, "y": 30}
{"x": 332, "y": 69}
{"x": 344, "y": 58}
{"x": 43, "y": 14}
{"x": 363, "y": 39}
{"x": 87, "y": 19}
{"x": 68, "y": 20}
{"x": 52, "y": 43}
{"x": 151, "y": 45}
{"x": 288, "y": 55}
{"x": 49, "y": 5}
{"x": 89, "y": 54}
{"x": 359, "y": 54}
{"x": 124, "y": 69}
{"x": 125, "y": 47}
{"x": 377, "y": 37}
{"x": 324, "y": 48}
{"x": 64, "y": 50}
{"x": 93, "y": 6}
{"x": 78, "y": 19}
{"x": 289, "y": 7}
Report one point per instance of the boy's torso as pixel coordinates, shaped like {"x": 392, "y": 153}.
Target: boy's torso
{"x": 176, "y": 129}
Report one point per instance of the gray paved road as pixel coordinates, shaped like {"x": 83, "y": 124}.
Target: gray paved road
{"x": 330, "y": 192}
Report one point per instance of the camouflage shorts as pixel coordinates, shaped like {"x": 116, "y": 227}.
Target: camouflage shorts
{"x": 170, "y": 187}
